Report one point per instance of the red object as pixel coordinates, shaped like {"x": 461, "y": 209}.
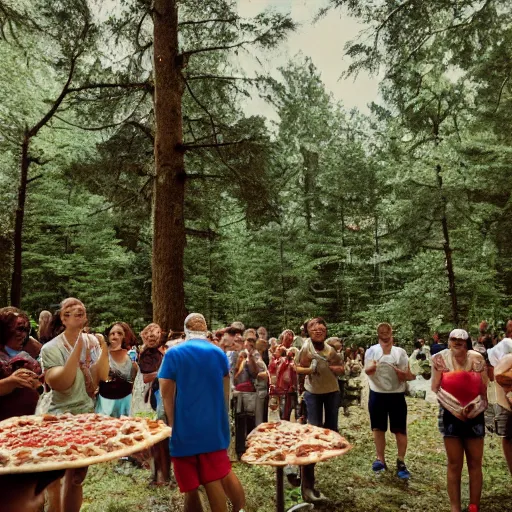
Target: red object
{"x": 463, "y": 385}
{"x": 473, "y": 508}
{"x": 286, "y": 376}
{"x": 196, "y": 470}
{"x": 245, "y": 387}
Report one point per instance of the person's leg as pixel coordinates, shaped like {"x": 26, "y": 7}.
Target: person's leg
{"x": 216, "y": 496}
{"x": 379, "y": 423}
{"x": 331, "y": 405}
{"x": 286, "y": 407}
{"x": 192, "y": 502}
{"x": 314, "y": 405}
{"x": 503, "y": 422}
{"x": 398, "y": 426}
{"x": 308, "y": 476}
{"x": 401, "y": 443}
{"x": 234, "y": 491}
{"x": 161, "y": 463}
{"x": 474, "y": 448}
{"x": 455, "y": 454}
{"x": 507, "y": 451}
{"x": 54, "y": 494}
{"x": 379, "y": 438}
{"x": 72, "y": 492}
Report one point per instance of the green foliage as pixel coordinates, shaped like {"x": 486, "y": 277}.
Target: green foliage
{"x": 332, "y": 213}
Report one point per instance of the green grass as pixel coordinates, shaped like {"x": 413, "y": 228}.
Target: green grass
{"x": 347, "y": 481}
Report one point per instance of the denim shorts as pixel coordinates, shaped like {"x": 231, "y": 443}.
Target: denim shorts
{"x": 451, "y": 426}
{"x": 503, "y": 420}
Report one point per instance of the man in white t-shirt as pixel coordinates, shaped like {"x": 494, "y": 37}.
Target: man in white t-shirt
{"x": 388, "y": 371}
{"x": 500, "y": 357}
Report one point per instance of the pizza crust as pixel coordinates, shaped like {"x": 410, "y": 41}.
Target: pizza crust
{"x": 150, "y": 438}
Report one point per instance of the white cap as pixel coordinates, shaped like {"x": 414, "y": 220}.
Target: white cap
{"x": 459, "y": 334}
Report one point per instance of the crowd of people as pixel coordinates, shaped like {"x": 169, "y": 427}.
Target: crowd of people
{"x": 203, "y": 383}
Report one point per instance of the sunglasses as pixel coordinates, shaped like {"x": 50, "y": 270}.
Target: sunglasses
{"x": 22, "y": 328}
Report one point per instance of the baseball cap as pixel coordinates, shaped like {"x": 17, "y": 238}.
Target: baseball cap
{"x": 459, "y": 334}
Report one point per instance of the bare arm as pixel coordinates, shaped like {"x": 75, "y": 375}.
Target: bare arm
{"x": 405, "y": 375}
{"x": 337, "y": 369}
{"x": 19, "y": 379}
{"x": 227, "y": 386}
{"x": 301, "y": 370}
{"x": 168, "y": 394}
{"x": 371, "y": 368}
{"x": 61, "y": 378}
{"x": 149, "y": 377}
{"x": 100, "y": 369}
{"x": 253, "y": 366}
{"x": 503, "y": 365}
{"x": 436, "y": 378}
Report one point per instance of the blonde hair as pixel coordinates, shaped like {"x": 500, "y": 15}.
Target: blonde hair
{"x": 69, "y": 303}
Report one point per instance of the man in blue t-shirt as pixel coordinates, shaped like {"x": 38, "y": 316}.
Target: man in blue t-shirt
{"x": 194, "y": 386}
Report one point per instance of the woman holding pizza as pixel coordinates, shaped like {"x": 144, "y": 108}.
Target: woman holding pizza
{"x": 459, "y": 378}
{"x": 115, "y": 394}
{"x": 74, "y": 363}
{"x": 19, "y": 372}
{"x": 321, "y": 364}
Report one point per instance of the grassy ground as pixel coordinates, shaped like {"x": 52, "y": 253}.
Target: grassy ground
{"x": 347, "y": 481}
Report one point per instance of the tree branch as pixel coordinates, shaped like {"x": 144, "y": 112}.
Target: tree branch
{"x": 204, "y": 176}
{"x": 386, "y": 20}
{"x": 188, "y": 53}
{"x": 201, "y": 233}
{"x": 503, "y": 84}
{"x": 145, "y": 129}
{"x": 34, "y": 178}
{"x": 56, "y": 104}
{"x": 104, "y": 127}
{"x": 148, "y": 86}
{"x": 188, "y": 147}
{"x": 220, "y": 77}
{"x": 210, "y": 20}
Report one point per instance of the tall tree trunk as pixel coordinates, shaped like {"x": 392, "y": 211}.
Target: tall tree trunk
{"x": 16, "y": 280}
{"x": 447, "y": 249}
{"x": 169, "y": 240}
{"x": 310, "y": 171}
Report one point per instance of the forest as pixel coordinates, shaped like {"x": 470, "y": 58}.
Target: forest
{"x": 133, "y": 178}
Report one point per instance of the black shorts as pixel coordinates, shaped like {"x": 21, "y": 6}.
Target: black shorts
{"x": 451, "y": 426}
{"x": 384, "y": 405}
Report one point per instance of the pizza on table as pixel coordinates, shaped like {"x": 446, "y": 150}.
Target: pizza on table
{"x": 282, "y": 443}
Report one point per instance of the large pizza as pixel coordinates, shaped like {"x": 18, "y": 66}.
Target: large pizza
{"x": 47, "y": 442}
{"x": 282, "y": 443}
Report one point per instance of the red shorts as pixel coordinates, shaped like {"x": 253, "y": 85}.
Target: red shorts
{"x": 196, "y": 470}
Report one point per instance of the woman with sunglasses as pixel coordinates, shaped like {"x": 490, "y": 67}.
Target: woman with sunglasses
{"x": 19, "y": 372}
{"x": 459, "y": 378}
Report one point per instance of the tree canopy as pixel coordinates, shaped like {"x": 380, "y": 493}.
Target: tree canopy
{"x": 133, "y": 177}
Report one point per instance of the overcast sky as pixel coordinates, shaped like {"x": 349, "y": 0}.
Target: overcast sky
{"x": 323, "y": 41}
